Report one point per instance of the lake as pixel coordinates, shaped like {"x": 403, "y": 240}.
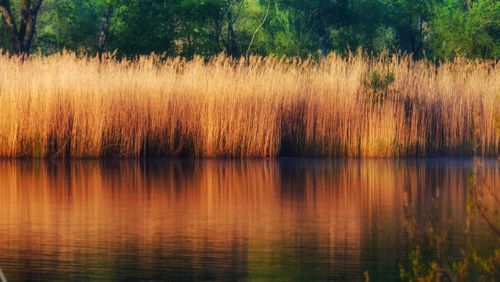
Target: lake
{"x": 219, "y": 220}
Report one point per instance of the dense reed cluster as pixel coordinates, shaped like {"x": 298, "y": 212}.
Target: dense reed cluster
{"x": 65, "y": 106}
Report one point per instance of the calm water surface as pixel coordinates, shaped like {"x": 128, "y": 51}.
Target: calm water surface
{"x": 226, "y": 220}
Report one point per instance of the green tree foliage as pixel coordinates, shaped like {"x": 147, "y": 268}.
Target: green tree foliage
{"x": 466, "y": 28}
{"x": 70, "y": 24}
{"x": 142, "y": 26}
{"x": 410, "y": 20}
{"x": 288, "y": 32}
{"x": 436, "y": 29}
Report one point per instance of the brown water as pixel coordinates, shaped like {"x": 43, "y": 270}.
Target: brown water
{"x": 226, "y": 220}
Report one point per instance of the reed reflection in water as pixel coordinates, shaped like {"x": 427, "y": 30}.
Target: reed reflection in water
{"x": 223, "y": 219}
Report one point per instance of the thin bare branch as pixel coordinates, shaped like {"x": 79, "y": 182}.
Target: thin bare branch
{"x": 258, "y": 28}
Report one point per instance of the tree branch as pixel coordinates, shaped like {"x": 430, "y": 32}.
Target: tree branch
{"x": 36, "y": 6}
{"x": 258, "y": 28}
{"x": 31, "y": 24}
{"x": 25, "y": 17}
{"x": 10, "y": 25}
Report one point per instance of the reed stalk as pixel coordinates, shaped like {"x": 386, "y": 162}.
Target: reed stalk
{"x": 66, "y": 106}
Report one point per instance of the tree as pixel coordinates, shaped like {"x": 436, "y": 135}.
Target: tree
{"x": 69, "y": 24}
{"x": 103, "y": 36}
{"x": 410, "y": 20}
{"x": 466, "y": 28}
{"x": 20, "y": 39}
{"x": 442, "y": 29}
{"x": 199, "y": 27}
{"x": 142, "y": 26}
{"x": 232, "y": 47}
{"x": 312, "y": 23}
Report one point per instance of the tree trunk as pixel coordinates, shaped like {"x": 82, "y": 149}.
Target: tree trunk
{"x": 232, "y": 47}
{"x": 103, "y": 37}
{"x": 323, "y": 36}
{"x": 10, "y": 26}
{"x": 20, "y": 39}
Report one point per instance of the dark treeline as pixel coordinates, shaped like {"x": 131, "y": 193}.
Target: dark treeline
{"x": 434, "y": 29}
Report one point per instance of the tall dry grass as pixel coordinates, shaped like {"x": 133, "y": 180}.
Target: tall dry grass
{"x": 64, "y": 106}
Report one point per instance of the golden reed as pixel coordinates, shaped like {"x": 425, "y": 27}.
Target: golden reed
{"x": 65, "y": 106}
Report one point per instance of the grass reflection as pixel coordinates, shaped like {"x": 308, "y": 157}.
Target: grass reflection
{"x": 430, "y": 259}
{"x": 227, "y": 220}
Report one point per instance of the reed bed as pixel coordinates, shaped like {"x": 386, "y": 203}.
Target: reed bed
{"x": 66, "y": 106}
